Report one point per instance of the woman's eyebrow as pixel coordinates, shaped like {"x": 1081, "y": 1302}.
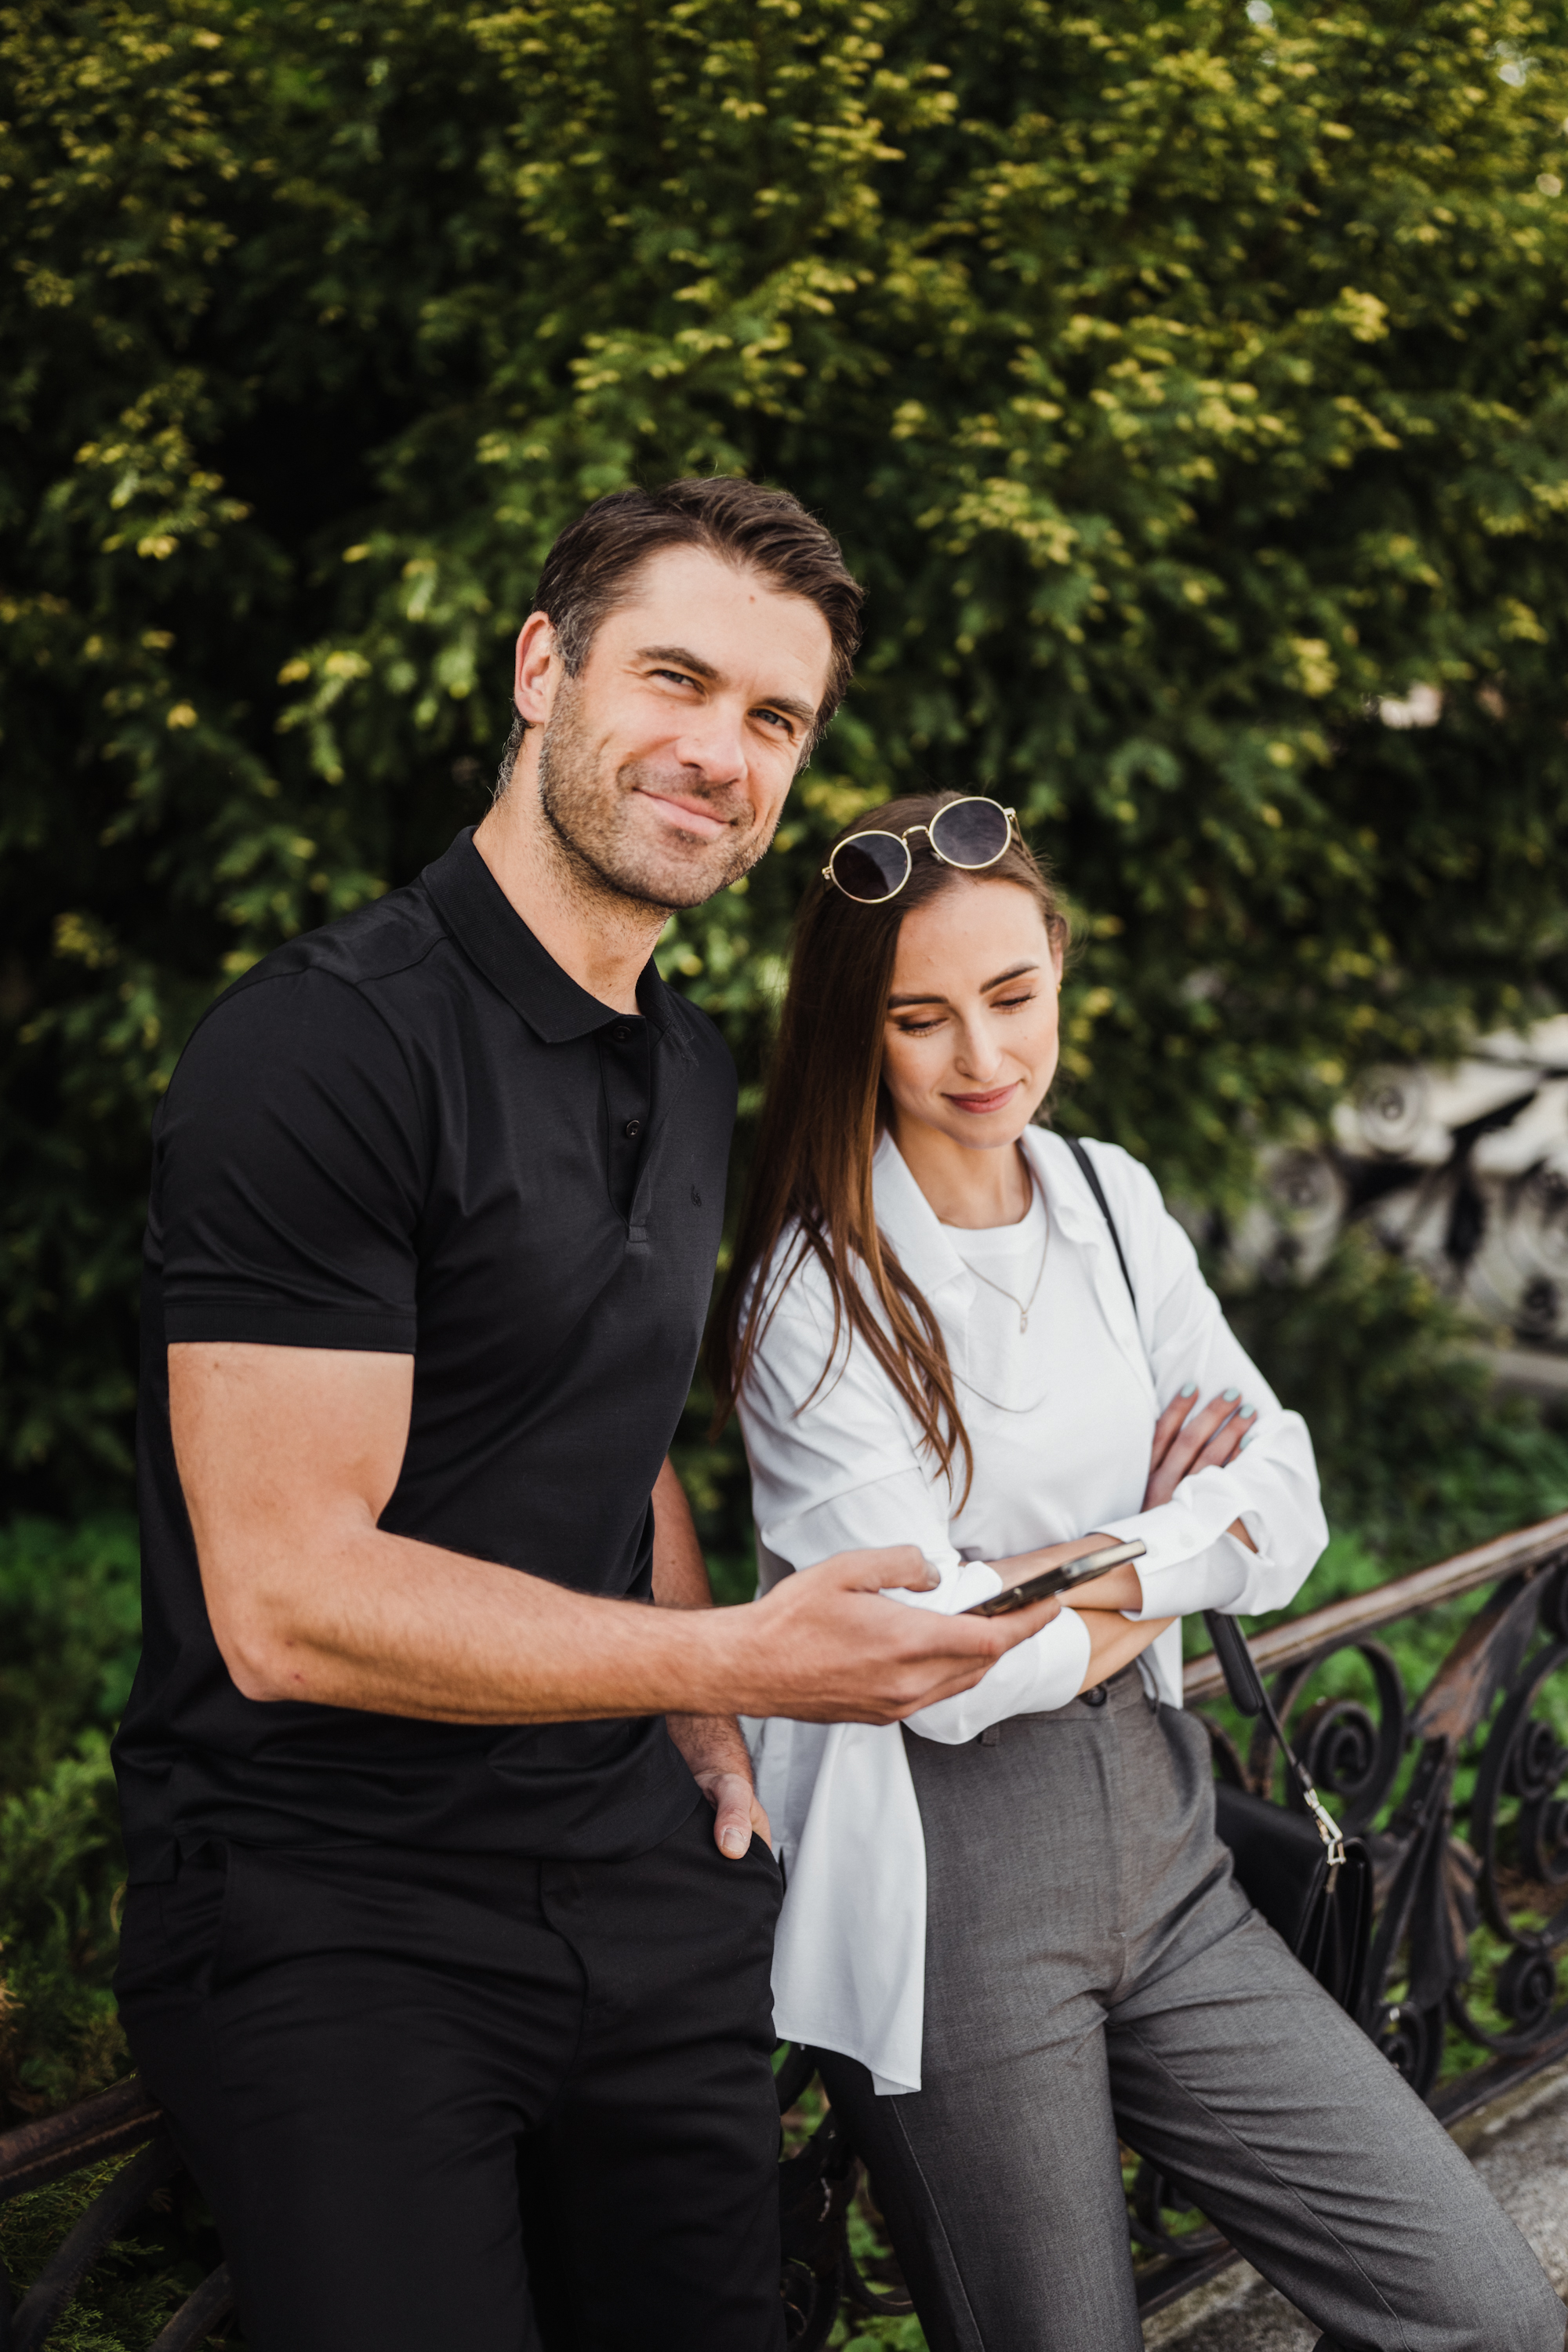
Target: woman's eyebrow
{"x": 1013, "y": 972}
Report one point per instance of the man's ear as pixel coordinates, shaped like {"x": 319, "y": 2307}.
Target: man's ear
{"x": 537, "y": 677}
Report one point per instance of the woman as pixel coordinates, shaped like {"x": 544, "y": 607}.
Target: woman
{"x": 1010, "y": 1928}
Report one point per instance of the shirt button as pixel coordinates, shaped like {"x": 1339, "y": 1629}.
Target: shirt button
{"x": 633, "y": 1127}
{"x": 621, "y": 1034}
{"x": 1095, "y": 1698}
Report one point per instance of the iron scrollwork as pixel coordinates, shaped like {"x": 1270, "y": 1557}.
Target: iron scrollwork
{"x": 1519, "y": 1838}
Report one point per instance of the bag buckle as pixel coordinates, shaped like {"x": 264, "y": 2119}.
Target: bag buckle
{"x": 1328, "y": 1827}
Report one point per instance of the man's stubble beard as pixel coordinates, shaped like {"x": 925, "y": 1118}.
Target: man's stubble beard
{"x": 587, "y": 814}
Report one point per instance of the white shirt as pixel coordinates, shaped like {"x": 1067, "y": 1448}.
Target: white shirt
{"x": 1061, "y": 1419}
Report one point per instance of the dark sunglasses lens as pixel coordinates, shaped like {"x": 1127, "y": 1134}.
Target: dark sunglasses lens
{"x": 971, "y": 833}
{"x": 870, "y": 866}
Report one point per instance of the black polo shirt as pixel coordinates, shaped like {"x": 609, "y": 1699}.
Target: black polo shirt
{"x": 413, "y": 1132}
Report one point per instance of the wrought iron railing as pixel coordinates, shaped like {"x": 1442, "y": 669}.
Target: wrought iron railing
{"x": 95, "y": 2130}
{"x": 1460, "y": 1792}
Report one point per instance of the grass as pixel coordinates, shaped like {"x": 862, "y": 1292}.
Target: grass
{"x": 135, "y": 2288}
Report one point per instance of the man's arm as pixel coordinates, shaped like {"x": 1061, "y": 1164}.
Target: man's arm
{"x": 712, "y": 1744}
{"x": 289, "y": 1455}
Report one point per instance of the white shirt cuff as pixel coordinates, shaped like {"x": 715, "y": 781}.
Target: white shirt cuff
{"x": 1035, "y": 1676}
{"x": 1213, "y": 1577}
{"x": 964, "y": 1583}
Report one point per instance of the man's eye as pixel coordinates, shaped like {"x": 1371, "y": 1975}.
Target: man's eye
{"x": 677, "y": 677}
{"x": 776, "y": 718}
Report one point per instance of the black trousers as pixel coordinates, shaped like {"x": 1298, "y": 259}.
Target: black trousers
{"x": 473, "y": 2102}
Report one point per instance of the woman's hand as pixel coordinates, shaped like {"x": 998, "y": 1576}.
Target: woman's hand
{"x": 1185, "y": 1442}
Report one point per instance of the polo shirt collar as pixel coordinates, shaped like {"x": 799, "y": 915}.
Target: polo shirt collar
{"x": 493, "y": 935}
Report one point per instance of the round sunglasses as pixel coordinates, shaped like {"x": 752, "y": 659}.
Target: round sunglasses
{"x": 871, "y": 868}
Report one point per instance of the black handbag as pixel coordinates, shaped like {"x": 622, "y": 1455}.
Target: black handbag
{"x": 1311, "y": 1883}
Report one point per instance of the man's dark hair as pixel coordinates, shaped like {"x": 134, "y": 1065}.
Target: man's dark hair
{"x": 590, "y": 569}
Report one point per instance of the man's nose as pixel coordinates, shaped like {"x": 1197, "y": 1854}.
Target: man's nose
{"x": 714, "y": 740}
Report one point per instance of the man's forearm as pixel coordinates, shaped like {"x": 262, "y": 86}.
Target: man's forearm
{"x": 679, "y": 1570}
{"x": 709, "y": 1743}
{"x": 404, "y": 1628}
{"x": 288, "y": 1456}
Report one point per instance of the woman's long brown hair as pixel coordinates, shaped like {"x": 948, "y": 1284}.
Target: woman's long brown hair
{"x": 823, "y": 1112}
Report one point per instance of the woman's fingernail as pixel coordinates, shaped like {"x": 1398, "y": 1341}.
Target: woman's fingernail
{"x": 1247, "y": 1411}
{"x": 1230, "y": 1396}
{"x": 1190, "y": 1389}
{"x": 734, "y": 1842}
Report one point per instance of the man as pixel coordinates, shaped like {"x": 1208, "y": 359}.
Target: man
{"x": 456, "y": 1999}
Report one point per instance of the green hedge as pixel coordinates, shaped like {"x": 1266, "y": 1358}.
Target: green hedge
{"x": 1183, "y": 379}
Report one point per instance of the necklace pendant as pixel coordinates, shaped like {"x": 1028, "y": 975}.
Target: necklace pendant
{"x": 1023, "y": 1320}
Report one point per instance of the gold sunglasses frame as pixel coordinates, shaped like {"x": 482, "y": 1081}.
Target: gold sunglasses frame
{"x": 875, "y": 833}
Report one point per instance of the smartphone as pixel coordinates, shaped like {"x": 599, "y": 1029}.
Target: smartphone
{"x": 1056, "y": 1579}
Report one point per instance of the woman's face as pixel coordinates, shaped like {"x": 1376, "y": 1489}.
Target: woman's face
{"x": 970, "y": 1045}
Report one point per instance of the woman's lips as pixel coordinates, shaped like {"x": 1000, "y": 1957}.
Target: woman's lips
{"x": 979, "y": 1104}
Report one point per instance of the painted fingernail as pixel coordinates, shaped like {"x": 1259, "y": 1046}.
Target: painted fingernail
{"x": 1190, "y": 1389}
{"x": 1230, "y": 1396}
{"x": 734, "y": 1842}
{"x": 1247, "y": 1411}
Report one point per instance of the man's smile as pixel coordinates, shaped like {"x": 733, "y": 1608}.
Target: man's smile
{"x": 686, "y": 811}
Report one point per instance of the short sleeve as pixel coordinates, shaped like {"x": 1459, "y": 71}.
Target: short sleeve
{"x": 288, "y": 1173}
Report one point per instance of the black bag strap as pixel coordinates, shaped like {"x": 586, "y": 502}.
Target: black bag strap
{"x": 1248, "y": 1692}
{"x": 1097, "y": 1189}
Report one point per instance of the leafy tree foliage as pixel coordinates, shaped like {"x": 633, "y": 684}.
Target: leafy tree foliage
{"x": 1184, "y": 380}
{"x": 70, "y": 1631}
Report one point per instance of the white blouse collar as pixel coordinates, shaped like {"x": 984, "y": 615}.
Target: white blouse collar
{"x": 926, "y": 1247}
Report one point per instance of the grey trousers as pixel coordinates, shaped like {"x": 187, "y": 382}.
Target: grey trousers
{"x": 1093, "y": 1969}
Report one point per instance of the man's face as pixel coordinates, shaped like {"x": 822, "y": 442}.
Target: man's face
{"x": 664, "y": 765}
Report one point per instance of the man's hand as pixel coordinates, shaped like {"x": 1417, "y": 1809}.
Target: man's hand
{"x": 737, "y": 1816}
{"x": 824, "y": 1646}
{"x": 713, "y": 1747}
